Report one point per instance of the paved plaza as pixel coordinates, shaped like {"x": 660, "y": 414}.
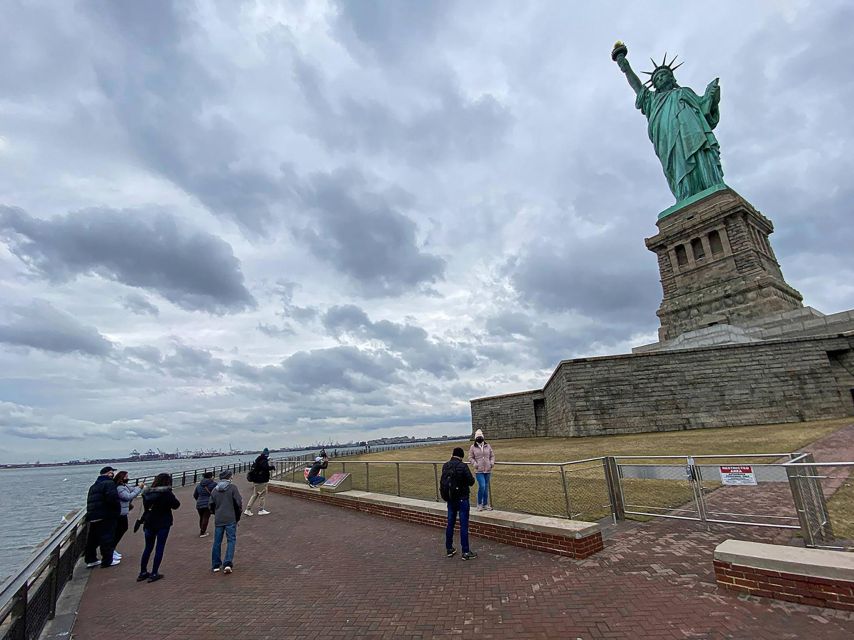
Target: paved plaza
{"x": 311, "y": 570}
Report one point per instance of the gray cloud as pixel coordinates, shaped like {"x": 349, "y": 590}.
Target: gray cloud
{"x": 411, "y": 342}
{"x": 41, "y": 326}
{"x": 138, "y": 304}
{"x": 192, "y": 269}
{"x": 364, "y": 235}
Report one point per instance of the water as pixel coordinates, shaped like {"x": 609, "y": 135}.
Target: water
{"x": 33, "y": 501}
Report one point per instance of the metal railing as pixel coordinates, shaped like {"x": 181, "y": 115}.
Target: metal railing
{"x": 28, "y": 599}
{"x": 824, "y": 498}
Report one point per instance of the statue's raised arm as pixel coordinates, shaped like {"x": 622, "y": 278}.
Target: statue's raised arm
{"x": 618, "y": 55}
{"x": 680, "y": 125}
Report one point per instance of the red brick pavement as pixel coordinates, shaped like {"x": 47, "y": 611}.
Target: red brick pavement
{"x": 312, "y": 570}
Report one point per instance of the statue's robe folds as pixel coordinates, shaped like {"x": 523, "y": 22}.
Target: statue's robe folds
{"x": 680, "y": 128}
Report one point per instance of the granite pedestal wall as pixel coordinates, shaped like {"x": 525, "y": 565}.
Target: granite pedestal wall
{"x": 730, "y": 385}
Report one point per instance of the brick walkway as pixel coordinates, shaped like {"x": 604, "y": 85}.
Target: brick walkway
{"x": 310, "y": 570}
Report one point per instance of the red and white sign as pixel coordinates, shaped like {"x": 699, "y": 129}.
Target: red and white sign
{"x": 335, "y": 479}
{"x": 739, "y": 474}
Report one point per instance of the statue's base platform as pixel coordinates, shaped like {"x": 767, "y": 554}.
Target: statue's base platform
{"x": 697, "y": 197}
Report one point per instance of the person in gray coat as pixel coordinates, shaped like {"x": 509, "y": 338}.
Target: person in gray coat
{"x": 126, "y": 496}
{"x": 226, "y": 504}
{"x": 202, "y": 494}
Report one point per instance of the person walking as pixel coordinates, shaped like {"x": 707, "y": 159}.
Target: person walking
{"x": 159, "y": 502}
{"x": 126, "y": 496}
{"x": 226, "y": 505}
{"x": 102, "y": 513}
{"x": 481, "y": 455}
{"x": 454, "y": 487}
{"x": 259, "y": 476}
{"x": 202, "y": 494}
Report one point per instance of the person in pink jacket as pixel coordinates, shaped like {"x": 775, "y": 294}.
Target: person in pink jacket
{"x": 481, "y": 455}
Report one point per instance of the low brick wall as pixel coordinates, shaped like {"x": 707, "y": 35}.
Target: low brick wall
{"x": 806, "y": 576}
{"x": 553, "y": 535}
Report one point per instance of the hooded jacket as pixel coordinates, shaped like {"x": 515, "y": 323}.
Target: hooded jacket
{"x": 126, "y": 495}
{"x": 482, "y": 457}
{"x": 261, "y": 469}
{"x": 159, "y": 503}
{"x": 102, "y": 502}
{"x": 202, "y": 492}
{"x": 225, "y": 503}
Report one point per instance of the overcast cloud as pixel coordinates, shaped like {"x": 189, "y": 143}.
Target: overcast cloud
{"x": 282, "y": 223}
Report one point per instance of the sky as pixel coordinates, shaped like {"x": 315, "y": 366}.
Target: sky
{"x": 281, "y": 223}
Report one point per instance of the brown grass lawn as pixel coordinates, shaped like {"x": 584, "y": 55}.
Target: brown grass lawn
{"x": 540, "y": 489}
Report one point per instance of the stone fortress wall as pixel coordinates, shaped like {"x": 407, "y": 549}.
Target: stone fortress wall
{"x": 728, "y": 385}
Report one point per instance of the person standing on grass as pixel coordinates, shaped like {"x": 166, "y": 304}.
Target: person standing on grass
{"x": 202, "y": 494}
{"x": 126, "y": 496}
{"x": 158, "y": 502}
{"x": 454, "y": 487}
{"x": 226, "y": 505}
{"x": 102, "y": 513}
{"x": 259, "y": 476}
{"x": 481, "y": 455}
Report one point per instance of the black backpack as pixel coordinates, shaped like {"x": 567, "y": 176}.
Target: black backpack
{"x": 448, "y": 484}
{"x": 250, "y": 476}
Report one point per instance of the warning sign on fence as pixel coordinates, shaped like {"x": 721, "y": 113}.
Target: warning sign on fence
{"x": 738, "y": 474}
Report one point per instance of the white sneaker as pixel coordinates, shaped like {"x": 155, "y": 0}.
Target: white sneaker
{"x": 247, "y": 513}
{"x": 263, "y": 512}
{"x": 227, "y": 569}
{"x": 115, "y": 562}
{"x": 92, "y": 565}
{"x": 117, "y": 555}
{"x": 204, "y": 535}
{"x": 480, "y": 507}
{"x": 487, "y": 507}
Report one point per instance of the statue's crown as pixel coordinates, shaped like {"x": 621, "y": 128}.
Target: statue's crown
{"x": 665, "y": 65}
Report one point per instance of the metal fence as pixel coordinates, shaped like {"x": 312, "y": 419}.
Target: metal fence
{"x": 28, "y": 600}
{"x": 824, "y": 497}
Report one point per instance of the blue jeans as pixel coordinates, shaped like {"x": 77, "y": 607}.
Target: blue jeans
{"x": 151, "y": 538}
{"x": 230, "y": 531}
{"x": 483, "y": 488}
{"x": 454, "y": 507}
{"x": 316, "y": 480}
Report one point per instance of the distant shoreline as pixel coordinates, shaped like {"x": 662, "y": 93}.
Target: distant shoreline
{"x": 383, "y": 442}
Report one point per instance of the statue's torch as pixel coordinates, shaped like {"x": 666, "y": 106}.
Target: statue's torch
{"x": 619, "y": 50}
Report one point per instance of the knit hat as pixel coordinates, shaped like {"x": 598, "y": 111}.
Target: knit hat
{"x": 225, "y": 474}
{"x": 478, "y": 434}
{"x": 458, "y": 452}
{"x": 266, "y": 451}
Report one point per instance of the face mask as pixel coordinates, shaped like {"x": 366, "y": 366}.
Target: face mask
{"x": 479, "y": 440}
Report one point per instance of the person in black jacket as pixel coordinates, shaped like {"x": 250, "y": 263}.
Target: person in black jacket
{"x": 158, "y": 502}
{"x": 314, "y": 478}
{"x": 259, "y": 476}
{"x": 102, "y": 513}
{"x": 456, "y": 480}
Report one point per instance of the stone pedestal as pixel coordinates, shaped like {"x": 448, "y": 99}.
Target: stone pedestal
{"x": 717, "y": 265}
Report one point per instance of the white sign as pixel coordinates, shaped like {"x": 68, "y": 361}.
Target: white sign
{"x": 738, "y": 474}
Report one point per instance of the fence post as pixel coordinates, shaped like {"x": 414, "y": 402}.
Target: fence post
{"x": 367, "y": 477}
{"x": 19, "y": 614}
{"x": 54, "y": 581}
{"x": 397, "y": 464}
{"x": 565, "y": 492}
{"x": 612, "y": 479}
{"x": 436, "y": 479}
{"x": 195, "y": 476}
{"x": 183, "y": 478}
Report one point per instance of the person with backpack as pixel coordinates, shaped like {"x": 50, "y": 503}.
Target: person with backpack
{"x": 226, "y": 505}
{"x": 483, "y": 459}
{"x": 454, "y": 487}
{"x": 202, "y": 494}
{"x": 259, "y": 476}
{"x": 158, "y": 502}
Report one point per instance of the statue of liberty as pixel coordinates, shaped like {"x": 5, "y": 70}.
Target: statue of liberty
{"x": 680, "y": 125}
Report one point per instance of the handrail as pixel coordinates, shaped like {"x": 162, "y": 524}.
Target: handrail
{"x": 706, "y": 455}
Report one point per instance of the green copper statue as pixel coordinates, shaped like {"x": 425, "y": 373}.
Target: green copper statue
{"x": 680, "y": 125}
